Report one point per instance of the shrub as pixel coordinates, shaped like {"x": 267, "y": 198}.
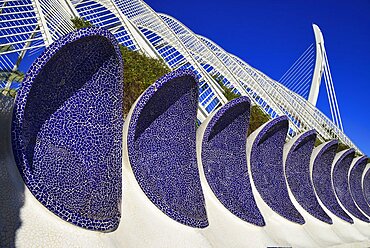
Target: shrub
{"x": 318, "y": 142}
{"x": 342, "y": 147}
{"x": 228, "y": 93}
{"x": 357, "y": 154}
{"x": 258, "y": 117}
{"x": 140, "y": 71}
{"x": 79, "y": 22}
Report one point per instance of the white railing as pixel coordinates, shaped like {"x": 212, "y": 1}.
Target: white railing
{"x": 33, "y": 24}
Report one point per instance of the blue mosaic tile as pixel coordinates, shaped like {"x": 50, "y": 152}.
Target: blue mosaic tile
{"x": 341, "y": 185}
{"x": 162, "y": 147}
{"x": 355, "y": 184}
{"x": 297, "y": 171}
{"x": 225, "y": 163}
{"x": 366, "y": 186}
{"x": 67, "y": 129}
{"x": 267, "y": 169}
{"x": 321, "y": 178}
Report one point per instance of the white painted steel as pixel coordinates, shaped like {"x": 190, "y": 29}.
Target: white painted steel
{"x": 139, "y": 27}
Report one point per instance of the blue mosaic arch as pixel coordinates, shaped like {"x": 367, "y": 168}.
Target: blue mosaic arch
{"x": 162, "y": 147}
{"x": 341, "y": 185}
{"x": 366, "y": 186}
{"x": 267, "y": 169}
{"x": 321, "y": 178}
{"x": 225, "y": 163}
{"x": 355, "y": 184}
{"x": 67, "y": 129}
{"x": 297, "y": 171}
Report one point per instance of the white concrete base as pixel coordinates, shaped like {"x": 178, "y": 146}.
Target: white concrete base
{"x": 38, "y": 226}
{"x": 347, "y": 232}
{"x": 283, "y": 231}
{"x": 225, "y": 229}
{"x": 142, "y": 223}
{"x": 321, "y": 232}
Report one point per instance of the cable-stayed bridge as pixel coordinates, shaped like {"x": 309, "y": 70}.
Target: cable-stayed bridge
{"x": 28, "y": 26}
{"x": 305, "y": 75}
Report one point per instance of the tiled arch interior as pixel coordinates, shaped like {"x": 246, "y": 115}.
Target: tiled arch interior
{"x": 67, "y": 129}
{"x": 225, "y": 163}
{"x": 161, "y": 146}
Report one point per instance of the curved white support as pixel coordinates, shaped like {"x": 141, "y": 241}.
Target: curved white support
{"x": 356, "y": 172}
{"x": 144, "y": 224}
{"x": 229, "y": 218}
{"x": 284, "y": 231}
{"x": 318, "y": 224}
{"x": 320, "y": 166}
{"x": 365, "y": 182}
{"x": 340, "y": 177}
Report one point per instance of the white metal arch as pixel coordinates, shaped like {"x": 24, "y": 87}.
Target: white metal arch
{"x": 123, "y": 30}
{"x": 28, "y": 25}
{"x": 294, "y": 105}
{"x": 319, "y": 66}
{"x": 142, "y": 16}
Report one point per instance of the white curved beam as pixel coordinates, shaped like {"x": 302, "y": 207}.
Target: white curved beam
{"x": 319, "y": 66}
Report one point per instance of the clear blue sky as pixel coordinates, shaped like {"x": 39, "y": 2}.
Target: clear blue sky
{"x": 270, "y": 35}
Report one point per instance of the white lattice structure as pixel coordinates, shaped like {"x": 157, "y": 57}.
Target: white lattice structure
{"x": 27, "y": 26}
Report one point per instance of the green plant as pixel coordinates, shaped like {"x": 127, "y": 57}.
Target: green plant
{"x": 140, "y": 71}
{"x": 357, "y": 154}
{"x": 79, "y": 22}
{"x": 342, "y": 147}
{"x": 197, "y": 124}
{"x": 228, "y": 93}
{"x": 257, "y": 118}
{"x": 318, "y": 142}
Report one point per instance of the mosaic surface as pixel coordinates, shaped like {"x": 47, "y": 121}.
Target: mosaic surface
{"x": 355, "y": 184}
{"x": 366, "y": 186}
{"x": 297, "y": 171}
{"x": 225, "y": 163}
{"x": 162, "y": 148}
{"x": 321, "y": 178}
{"x": 67, "y": 129}
{"x": 267, "y": 169}
{"x": 341, "y": 186}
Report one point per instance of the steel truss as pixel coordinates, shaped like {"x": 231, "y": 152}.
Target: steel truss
{"x": 26, "y": 26}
